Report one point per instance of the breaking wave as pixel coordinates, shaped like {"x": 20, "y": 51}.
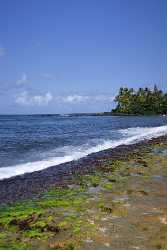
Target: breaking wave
{"x": 127, "y": 136}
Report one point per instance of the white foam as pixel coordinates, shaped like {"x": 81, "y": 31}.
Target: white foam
{"x": 129, "y": 136}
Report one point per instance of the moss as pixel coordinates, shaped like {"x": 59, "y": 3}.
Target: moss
{"x": 83, "y": 228}
{"x": 34, "y": 233}
{"x": 13, "y": 246}
{"x": 64, "y": 224}
{"x": 20, "y": 210}
{"x": 81, "y": 181}
{"x": 112, "y": 178}
{"x": 54, "y": 203}
{"x": 40, "y": 224}
{"x": 3, "y": 235}
{"x": 76, "y": 213}
{"x": 108, "y": 186}
{"x": 34, "y": 220}
{"x": 94, "y": 180}
{"x": 71, "y": 217}
{"x": 62, "y": 198}
{"x": 77, "y": 229}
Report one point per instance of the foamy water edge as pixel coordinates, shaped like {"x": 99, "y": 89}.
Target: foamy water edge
{"x": 130, "y": 136}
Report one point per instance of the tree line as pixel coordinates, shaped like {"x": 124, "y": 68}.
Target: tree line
{"x": 143, "y": 101}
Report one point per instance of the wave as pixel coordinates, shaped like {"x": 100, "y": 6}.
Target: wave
{"x": 128, "y": 136}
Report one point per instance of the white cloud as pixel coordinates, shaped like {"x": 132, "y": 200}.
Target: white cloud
{"x": 2, "y": 51}
{"x": 74, "y": 99}
{"x": 23, "y": 80}
{"x": 25, "y": 99}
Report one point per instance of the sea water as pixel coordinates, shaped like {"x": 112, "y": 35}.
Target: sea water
{"x": 34, "y": 142}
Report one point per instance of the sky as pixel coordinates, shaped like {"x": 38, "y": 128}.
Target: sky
{"x": 64, "y": 56}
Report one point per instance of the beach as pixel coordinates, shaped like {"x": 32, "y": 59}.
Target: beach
{"x": 83, "y": 125}
{"x": 114, "y": 199}
{"x": 32, "y": 184}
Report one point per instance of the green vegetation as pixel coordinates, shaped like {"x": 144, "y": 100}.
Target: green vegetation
{"x": 124, "y": 199}
{"x": 144, "y": 101}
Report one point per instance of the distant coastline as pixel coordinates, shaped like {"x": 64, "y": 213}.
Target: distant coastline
{"x": 129, "y": 102}
{"x": 111, "y": 114}
{"x": 105, "y": 113}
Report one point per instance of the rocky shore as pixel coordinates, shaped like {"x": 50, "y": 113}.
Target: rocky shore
{"x": 30, "y": 185}
{"x": 115, "y": 199}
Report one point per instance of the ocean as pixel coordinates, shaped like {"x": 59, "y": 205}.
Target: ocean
{"x": 34, "y": 142}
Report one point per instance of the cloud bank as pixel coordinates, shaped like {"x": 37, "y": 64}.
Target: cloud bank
{"x": 27, "y": 99}
{"x": 74, "y": 99}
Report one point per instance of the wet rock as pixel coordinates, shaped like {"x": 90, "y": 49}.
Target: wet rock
{"x": 30, "y": 185}
{"x": 52, "y": 228}
{"x": 24, "y": 224}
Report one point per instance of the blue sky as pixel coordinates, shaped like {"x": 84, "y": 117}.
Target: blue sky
{"x": 72, "y": 55}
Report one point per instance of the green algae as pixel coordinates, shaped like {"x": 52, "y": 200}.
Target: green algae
{"x": 68, "y": 218}
{"x": 3, "y": 235}
{"x": 43, "y": 219}
{"x": 112, "y": 178}
{"x": 108, "y": 186}
{"x": 94, "y": 180}
{"x": 33, "y": 233}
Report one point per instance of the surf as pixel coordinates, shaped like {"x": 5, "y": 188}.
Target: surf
{"x": 127, "y": 136}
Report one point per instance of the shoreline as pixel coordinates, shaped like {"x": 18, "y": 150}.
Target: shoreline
{"x": 114, "y": 199}
{"x": 103, "y": 113}
{"x": 31, "y": 185}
